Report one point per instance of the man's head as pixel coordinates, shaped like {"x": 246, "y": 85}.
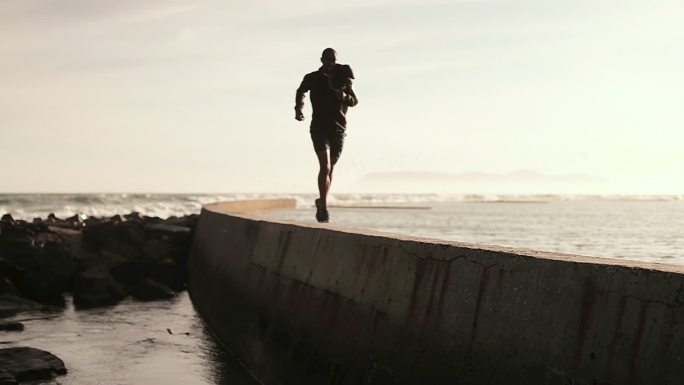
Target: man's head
{"x": 328, "y": 58}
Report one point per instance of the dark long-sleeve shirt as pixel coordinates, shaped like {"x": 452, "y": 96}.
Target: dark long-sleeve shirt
{"x": 328, "y": 111}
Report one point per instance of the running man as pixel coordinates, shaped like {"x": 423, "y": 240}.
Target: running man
{"x": 331, "y": 95}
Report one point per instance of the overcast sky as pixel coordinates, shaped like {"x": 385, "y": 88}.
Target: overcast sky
{"x": 198, "y": 96}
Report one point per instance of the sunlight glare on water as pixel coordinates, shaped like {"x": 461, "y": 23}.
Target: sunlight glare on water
{"x": 161, "y": 342}
{"x": 637, "y": 230}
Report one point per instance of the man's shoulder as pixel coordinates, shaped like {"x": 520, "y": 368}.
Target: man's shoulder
{"x": 313, "y": 74}
{"x": 344, "y": 70}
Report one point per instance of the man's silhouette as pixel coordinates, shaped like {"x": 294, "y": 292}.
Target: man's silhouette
{"x": 331, "y": 95}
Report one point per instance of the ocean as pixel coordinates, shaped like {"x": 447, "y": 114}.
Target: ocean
{"x": 641, "y": 229}
{"x": 165, "y": 342}
{"x": 646, "y": 228}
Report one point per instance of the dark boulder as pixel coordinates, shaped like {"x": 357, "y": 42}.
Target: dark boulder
{"x": 97, "y": 231}
{"x": 72, "y": 240}
{"x": 75, "y": 222}
{"x": 152, "y": 220}
{"x": 163, "y": 271}
{"x": 121, "y": 248}
{"x": 7, "y": 287}
{"x": 41, "y": 270}
{"x": 151, "y": 290}
{"x": 21, "y": 227}
{"x": 169, "y": 232}
{"x": 7, "y": 218}
{"x": 20, "y": 249}
{"x": 18, "y": 255}
{"x": 78, "y": 219}
{"x": 189, "y": 221}
{"x": 94, "y": 288}
{"x": 48, "y": 237}
{"x": 122, "y": 238}
{"x": 12, "y": 304}
{"x": 29, "y": 364}
{"x": 134, "y": 217}
{"x": 178, "y": 237}
{"x": 56, "y": 257}
{"x": 158, "y": 249}
{"x": 40, "y": 260}
{"x": 132, "y": 233}
{"x": 6, "y": 378}
{"x": 45, "y": 284}
{"x": 11, "y": 326}
{"x": 103, "y": 260}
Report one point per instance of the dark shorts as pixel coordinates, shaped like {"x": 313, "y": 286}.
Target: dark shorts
{"x": 328, "y": 138}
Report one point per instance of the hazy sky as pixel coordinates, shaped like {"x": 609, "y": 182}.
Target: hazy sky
{"x": 198, "y": 96}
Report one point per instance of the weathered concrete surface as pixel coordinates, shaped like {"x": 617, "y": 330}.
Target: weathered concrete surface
{"x": 308, "y": 304}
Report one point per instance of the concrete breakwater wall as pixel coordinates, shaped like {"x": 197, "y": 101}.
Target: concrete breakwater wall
{"x": 309, "y": 304}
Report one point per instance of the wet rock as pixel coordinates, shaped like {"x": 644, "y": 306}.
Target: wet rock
{"x": 21, "y": 227}
{"x": 40, "y": 260}
{"x": 151, "y": 290}
{"x": 11, "y": 326}
{"x": 132, "y": 233}
{"x": 94, "y": 288}
{"x": 73, "y": 242}
{"x": 45, "y": 238}
{"x": 29, "y": 364}
{"x": 179, "y": 237}
{"x": 18, "y": 254}
{"x": 45, "y": 286}
{"x": 123, "y": 238}
{"x": 7, "y": 378}
{"x": 153, "y": 220}
{"x": 7, "y": 287}
{"x": 163, "y": 271}
{"x": 104, "y": 260}
{"x": 122, "y": 249}
{"x": 189, "y": 221}
{"x": 7, "y": 218}
{"x": 12, "y": 304}
{"x": 41, "y": 271}
{"x": 74, "y": 222}
{"x": 97, "y": 232}
{"x": 16, "y": 235}
{"x": 159, "y": 249}
{"x": 56, "y": 260}
{"x": 166, "y": 231}
{"x": 134, "y": 217}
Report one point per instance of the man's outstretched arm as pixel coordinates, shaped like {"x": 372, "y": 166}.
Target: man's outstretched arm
{"x": 299, "y": 99}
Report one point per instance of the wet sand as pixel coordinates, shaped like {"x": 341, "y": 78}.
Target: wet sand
{"x": 161, "y": 342}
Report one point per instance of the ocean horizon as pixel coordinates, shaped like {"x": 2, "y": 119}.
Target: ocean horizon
{"x": 27, "y": 206}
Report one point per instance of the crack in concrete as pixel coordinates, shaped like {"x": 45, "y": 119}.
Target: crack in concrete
{"x": 641, "y": 300}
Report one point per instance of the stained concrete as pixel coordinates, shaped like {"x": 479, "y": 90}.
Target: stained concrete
{"x": 310, "y": 304}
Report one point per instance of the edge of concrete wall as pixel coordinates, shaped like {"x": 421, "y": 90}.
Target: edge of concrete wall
{"x": 319, "y": 304}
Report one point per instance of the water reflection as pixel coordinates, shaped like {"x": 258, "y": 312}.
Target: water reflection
{"x": 222, "y": 367}
{"x": 162, "y": 342}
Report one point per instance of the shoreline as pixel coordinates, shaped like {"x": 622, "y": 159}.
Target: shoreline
{"x": 97, "y": 261}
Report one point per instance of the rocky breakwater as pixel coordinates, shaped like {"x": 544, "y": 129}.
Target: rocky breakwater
{"x": 100, "y": 261}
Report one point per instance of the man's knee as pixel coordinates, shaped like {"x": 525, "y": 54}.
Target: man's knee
{"x": 326, "y": 167}
{"x": 324, "y": 161}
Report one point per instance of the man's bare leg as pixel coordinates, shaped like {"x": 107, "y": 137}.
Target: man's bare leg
{"x": 324, "y": 176}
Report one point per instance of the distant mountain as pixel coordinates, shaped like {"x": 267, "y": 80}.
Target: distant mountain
{"x": 515, "y": 181}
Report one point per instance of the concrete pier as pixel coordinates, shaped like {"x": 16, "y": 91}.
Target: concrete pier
{"x": 319, "y": 304}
